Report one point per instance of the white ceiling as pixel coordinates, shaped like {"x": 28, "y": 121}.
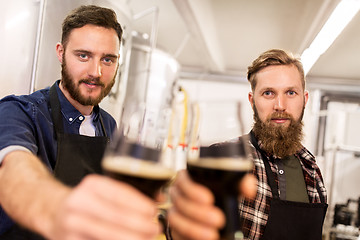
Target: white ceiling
{"x": 223, "y": 37}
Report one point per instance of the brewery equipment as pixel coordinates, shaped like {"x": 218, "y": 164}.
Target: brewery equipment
{"x": 152, "y": 75}
{"x": 346, "y": 220}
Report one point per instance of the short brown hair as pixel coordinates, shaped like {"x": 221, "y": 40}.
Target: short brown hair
{"x": 90, "y": 14}
{"x": 273, "y": 57}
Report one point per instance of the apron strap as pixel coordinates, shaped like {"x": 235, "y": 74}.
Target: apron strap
{"x": 56, "y": 110}
{"x": 269, "y": 173}
{"x": 271, "y": 179}
{"x": 102, "y": 127}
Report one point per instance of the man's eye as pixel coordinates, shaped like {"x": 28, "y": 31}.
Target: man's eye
{"x": 291, "y": 93}
{"x": 267, "y": 93}
{"x": 108, "y": 60}
{"x": 83, "y": 56}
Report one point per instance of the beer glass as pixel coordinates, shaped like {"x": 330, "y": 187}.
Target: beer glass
{"x": 135, "y": 154}
{"x": 218, "y": 157}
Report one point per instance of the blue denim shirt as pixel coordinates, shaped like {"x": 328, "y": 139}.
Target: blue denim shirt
{"x": 26, "y": 121}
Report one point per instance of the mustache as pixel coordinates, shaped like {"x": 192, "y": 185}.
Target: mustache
{"x": 93, "y": 81}
{"x": 280, "y": 115}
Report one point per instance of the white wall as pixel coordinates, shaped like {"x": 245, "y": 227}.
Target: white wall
{"x": 18, "y": 28}
{"x": 212, "y": 90}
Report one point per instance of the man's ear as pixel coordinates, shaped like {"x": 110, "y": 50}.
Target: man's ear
{"x": 306, "y": 96}
{"x": 60, "y": 52}
{"x": 251, "y": 99}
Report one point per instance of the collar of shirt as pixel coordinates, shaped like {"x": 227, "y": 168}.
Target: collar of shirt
{"x": 307, "y": 160}
{"x": 69, "y": 112}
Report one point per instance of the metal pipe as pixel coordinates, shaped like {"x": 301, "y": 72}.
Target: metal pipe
{"x": 37, "y": 45}
{"x": 333, "y": 172}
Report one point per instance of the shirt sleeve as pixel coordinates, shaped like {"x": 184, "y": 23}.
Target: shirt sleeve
{"x": 9, "y": 149}
{"x": 17, "y": 127}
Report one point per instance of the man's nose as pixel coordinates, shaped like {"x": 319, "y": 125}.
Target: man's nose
{"x": 280, "y": 103}
{"x": 95, "y": 69}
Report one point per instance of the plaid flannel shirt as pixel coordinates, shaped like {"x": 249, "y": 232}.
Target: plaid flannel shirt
{"x": 254, "y": 213}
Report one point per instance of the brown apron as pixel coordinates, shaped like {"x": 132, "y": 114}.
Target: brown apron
{"x": 77, "y": 156}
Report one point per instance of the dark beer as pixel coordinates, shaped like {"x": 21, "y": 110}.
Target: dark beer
{"x": 146, "y": 176}
{"x": 221, "y": 176}
{"x": 220, "y": 166}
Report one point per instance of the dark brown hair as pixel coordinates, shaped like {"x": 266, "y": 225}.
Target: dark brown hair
{"x": 273, "y": 57}
{"x": 90, "y": 14}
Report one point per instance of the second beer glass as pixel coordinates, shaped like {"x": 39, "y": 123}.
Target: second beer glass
{"x": 218, "y": 157}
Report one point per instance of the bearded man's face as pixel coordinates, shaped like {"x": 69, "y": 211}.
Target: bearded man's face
{"x": 73, "y": 87}
{"x": 89, "y": 60}
{"x": 278, "y": 101}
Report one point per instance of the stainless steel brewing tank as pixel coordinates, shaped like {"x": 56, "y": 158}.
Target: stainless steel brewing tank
{"x": 150, "y": 86}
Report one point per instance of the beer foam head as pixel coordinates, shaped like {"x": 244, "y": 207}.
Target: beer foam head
{"x": 236, "y": 164}
{"x": 136, "y": 167}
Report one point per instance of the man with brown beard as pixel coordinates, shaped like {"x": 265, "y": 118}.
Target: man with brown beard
{"x": 52, "y": 140}
{"x": 290, "y": 202}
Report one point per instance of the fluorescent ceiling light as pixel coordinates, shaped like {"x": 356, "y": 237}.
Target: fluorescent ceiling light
{"x": 341, "y": 16}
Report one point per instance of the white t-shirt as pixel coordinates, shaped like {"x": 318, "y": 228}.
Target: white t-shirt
{"x": 87, "y": 127}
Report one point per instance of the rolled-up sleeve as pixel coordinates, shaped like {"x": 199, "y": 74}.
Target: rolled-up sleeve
{"x": 16, "y": 124}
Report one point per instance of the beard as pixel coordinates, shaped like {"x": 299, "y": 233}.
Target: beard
{"x": 280, "y": 141}
{"x": 73, "y": 88}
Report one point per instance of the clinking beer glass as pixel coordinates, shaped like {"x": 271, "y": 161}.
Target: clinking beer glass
{"x": 218, "y": 157}
{"x": 135, "y": 154}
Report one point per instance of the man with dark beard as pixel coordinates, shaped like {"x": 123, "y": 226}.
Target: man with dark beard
{"x": 290, "y": 202}
{"x": 52, "y": 140}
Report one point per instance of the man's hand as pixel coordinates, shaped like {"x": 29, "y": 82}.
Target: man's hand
{"x": 103, "y": 208}
{"x": 193, "y": 215}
